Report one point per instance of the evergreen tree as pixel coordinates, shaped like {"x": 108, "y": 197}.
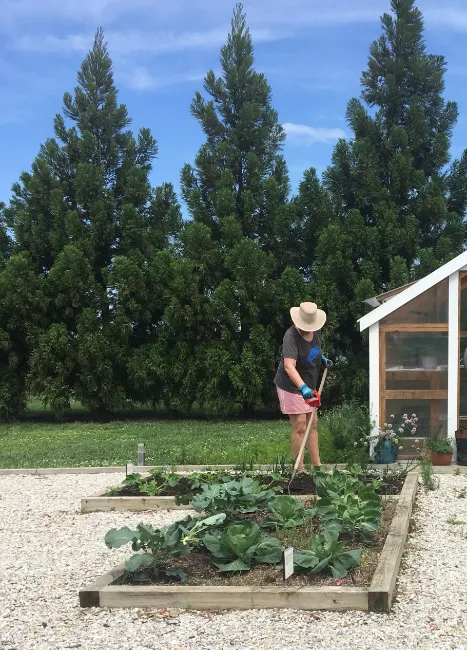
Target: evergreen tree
{"x": 399, "y": 211}
{"x": 91, "y": 227}
{"x": 232, "y": 289}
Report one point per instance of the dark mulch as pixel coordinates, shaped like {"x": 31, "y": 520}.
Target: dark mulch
{"x": 302, "y": 484}
{"x": 197, "y": 565}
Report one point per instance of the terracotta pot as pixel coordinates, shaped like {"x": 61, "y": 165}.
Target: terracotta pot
{"x": 441, "y": 459}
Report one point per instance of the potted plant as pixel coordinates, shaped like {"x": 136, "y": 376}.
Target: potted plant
{"x": 439, "y": 450}
{"x": 386, "y": 443}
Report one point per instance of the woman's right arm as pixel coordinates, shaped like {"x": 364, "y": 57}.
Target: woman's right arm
{"x": 291, "y": 370}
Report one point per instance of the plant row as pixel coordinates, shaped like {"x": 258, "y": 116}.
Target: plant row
{"x": 347, "y": 511}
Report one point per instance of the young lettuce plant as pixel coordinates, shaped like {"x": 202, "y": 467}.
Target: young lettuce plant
{"x": 153, "y": 488}
{"x": 327, "y": 553}
{"x": 287, "y": 512}
{"x": 240, "y": 546}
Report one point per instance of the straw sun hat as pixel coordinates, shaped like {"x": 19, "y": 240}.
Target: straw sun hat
{"x": 308, "y": 317}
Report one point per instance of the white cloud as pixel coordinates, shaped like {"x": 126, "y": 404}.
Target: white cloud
{"x": 134, "y": 41}
{"x": 141, "y": 79}
{"x": 447, "y": 17}
{"x": 305, "y": 134}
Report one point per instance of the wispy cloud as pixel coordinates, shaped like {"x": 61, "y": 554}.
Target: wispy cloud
{"x": 141, "y": 79}
{"x": 452, "y": 18}
{"x": 134, "y": 41}
{"x": 304, "y": 134}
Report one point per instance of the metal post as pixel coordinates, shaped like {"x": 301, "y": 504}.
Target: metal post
{"x": 141, "y": 455}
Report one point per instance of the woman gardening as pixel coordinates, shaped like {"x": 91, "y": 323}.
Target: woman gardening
{"x": 297, "y": 375}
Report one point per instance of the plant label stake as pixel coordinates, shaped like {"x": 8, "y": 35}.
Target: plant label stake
{"x": 308, "y": 429}
{"x": 141, "y": 455}
{"x": 129, "y": 469}
{"x": 288, "y": 562}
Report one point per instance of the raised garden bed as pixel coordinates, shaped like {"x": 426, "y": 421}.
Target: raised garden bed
{"x": 368, "y": 587}
{"x": 175, "y": 494}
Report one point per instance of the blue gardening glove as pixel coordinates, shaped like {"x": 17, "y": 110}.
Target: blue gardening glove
{"x": 326, "y": 362}
{"x": 306, "y": 392}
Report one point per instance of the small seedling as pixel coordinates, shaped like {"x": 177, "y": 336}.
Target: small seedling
{"x": 427, "y": 476}
{"x": 455, "y": 522}
{"x": 461, "y": 494}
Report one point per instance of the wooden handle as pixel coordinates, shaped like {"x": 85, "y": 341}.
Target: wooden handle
{"x": 307, "y": 432}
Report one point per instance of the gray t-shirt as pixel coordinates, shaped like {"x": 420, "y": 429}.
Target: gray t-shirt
{"x": 307, "y": 355}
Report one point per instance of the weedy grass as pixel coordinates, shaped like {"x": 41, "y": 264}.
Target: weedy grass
{"x": 167, "y": 442}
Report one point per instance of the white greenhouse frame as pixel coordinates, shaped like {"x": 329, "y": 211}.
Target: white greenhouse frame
{"x": 371, "y": 322}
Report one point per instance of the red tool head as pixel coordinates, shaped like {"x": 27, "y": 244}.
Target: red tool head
{"x": 315, "y": 401}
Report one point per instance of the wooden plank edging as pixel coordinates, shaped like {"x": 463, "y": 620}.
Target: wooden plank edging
{"x": 383, "y": 584}
{"x": 102, "y": 503}
{"x": 104, "y": 593}
{"x": 44, "y": 471}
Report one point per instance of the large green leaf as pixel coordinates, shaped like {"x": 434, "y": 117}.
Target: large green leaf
{"x": 236, "y": 565}
{"x": 213, "y": 541}
{"x": 268, "y": 551}
{"x": 305, "y": 559}
{"x": 139, "y": 560}
{"x": 117, "y": 537}
{"x": 177, "y": 573}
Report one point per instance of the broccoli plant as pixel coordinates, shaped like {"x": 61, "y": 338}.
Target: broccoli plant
{"x": 240, "y": 546}
{"x": 327, "y": 553}
{"x": 159, "y": 545}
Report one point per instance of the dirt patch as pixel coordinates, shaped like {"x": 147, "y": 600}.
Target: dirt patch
{"x": 199, "y": 570}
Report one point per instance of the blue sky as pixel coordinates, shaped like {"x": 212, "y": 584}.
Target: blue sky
{"x": 312, "y": 52}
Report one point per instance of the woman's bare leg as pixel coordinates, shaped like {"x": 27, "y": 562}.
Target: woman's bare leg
{"x": 298, "y": 423}
{"x": 312, "y": 442}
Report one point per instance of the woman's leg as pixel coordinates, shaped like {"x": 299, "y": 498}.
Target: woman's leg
{"x": 312, "y": 442}
{"x": 298, "y": 423}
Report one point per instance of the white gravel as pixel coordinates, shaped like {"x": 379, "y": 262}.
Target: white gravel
{"x": 49, "y": 550}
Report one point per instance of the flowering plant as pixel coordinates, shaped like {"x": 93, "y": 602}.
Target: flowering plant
{"x": 407, "y": 427}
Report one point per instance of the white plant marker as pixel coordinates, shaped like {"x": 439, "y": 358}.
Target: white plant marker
{"x": 288, "y": 562}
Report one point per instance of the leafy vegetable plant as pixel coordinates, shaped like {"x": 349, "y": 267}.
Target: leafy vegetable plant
{"x": 287, "y": 512}
{"x": 198, "y": 479}
{"x": 158, "y": 546}
{"x": 242, "y": 496}
{"x": 356, "y": 513}
{"x": 240, "y": 546}
{"x": 133, "y": 479}
{"x": 335, "y": 483}
{"x": 327, "y": 553}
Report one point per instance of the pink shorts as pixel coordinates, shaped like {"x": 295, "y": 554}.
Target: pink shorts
{"x": 292, "y": 403}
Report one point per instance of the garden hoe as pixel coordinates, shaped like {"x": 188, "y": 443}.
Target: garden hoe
{"x": 315, "y": 403}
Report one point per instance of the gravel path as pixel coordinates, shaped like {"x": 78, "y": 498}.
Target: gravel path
{"x": 48, "y": 550}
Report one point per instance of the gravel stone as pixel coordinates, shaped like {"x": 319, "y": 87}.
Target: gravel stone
{"x": 49, "y": 550}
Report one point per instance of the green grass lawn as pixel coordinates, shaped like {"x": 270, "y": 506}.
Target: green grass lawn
{"x": 191, "y": 442}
